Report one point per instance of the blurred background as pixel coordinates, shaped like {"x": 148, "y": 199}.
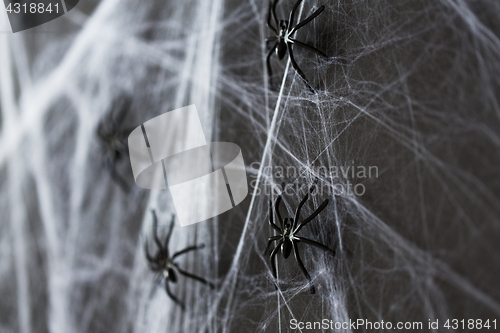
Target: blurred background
{"x": 410, "y": 89}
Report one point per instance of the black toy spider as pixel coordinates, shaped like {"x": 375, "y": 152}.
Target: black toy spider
{"x": 113, "y": 140}
{"x": 284, "y": 41}
{"x": 164, "y": 265}
{"x": 287, "y": 235}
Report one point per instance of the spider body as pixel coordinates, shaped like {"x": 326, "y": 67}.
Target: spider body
{"x": 112, "y": 140}
{"x": 283, "y": 38}
{"x": 170, "y": 275}
{"x": 163, "y": 264}
{"x": 288, "y": 239}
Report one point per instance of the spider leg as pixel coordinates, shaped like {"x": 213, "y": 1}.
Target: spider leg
{"x": 194, "y": 277}
{"x": 307, "y": 20}
{"x": 276, "y": 21}
{"x": 155, "y": 230}
{"x": 308, "y": 47}
{"x": 312, "y": 216}
{"x": 292, "y": 13}
{"x": 277, "y": 210}
{"x": 146, "y": 250}
{"x": 269, "y": 23}
{"x": 268, "y": 63}
{"x": 108, "y": 164}
{"x": 301, "y": 265}
{"x": 186, "y": 250}
{"x": 297, "y": 213}
{"x": 270, "y": 241}
{"x": 175, "y": 299}
{"x": 297, "y": 68}
{"x": 272, "y": 258}
{"x": 171, "y": 228}
{"x": 311, "y": 242}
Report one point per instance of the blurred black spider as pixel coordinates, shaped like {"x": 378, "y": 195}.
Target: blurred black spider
{"x": 113, "y": 140}
{"x": 287, "y": 235}
{"x": 284, "y": 41}
{"x": 164, "y": 265}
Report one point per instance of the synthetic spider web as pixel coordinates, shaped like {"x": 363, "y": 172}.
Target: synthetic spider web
{"x": 411, "y": 88}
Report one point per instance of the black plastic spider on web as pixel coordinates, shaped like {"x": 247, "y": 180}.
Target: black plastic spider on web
{"x": 113, "y": 139}
{"x": 284, "y": 40}
{"x": 287, "y": 235}
{"x": 163, "y": 264}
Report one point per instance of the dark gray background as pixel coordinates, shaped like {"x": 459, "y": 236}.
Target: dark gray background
{"x": 411, "y": 87}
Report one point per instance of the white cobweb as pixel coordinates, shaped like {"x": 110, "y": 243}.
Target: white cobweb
{"x": 411, "y": 88}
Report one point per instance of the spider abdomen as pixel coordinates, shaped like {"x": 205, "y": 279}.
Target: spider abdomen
{"x": 171, "y": 275}
{"x": 281, "y": 50}
{"x": 286, "y": 248}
